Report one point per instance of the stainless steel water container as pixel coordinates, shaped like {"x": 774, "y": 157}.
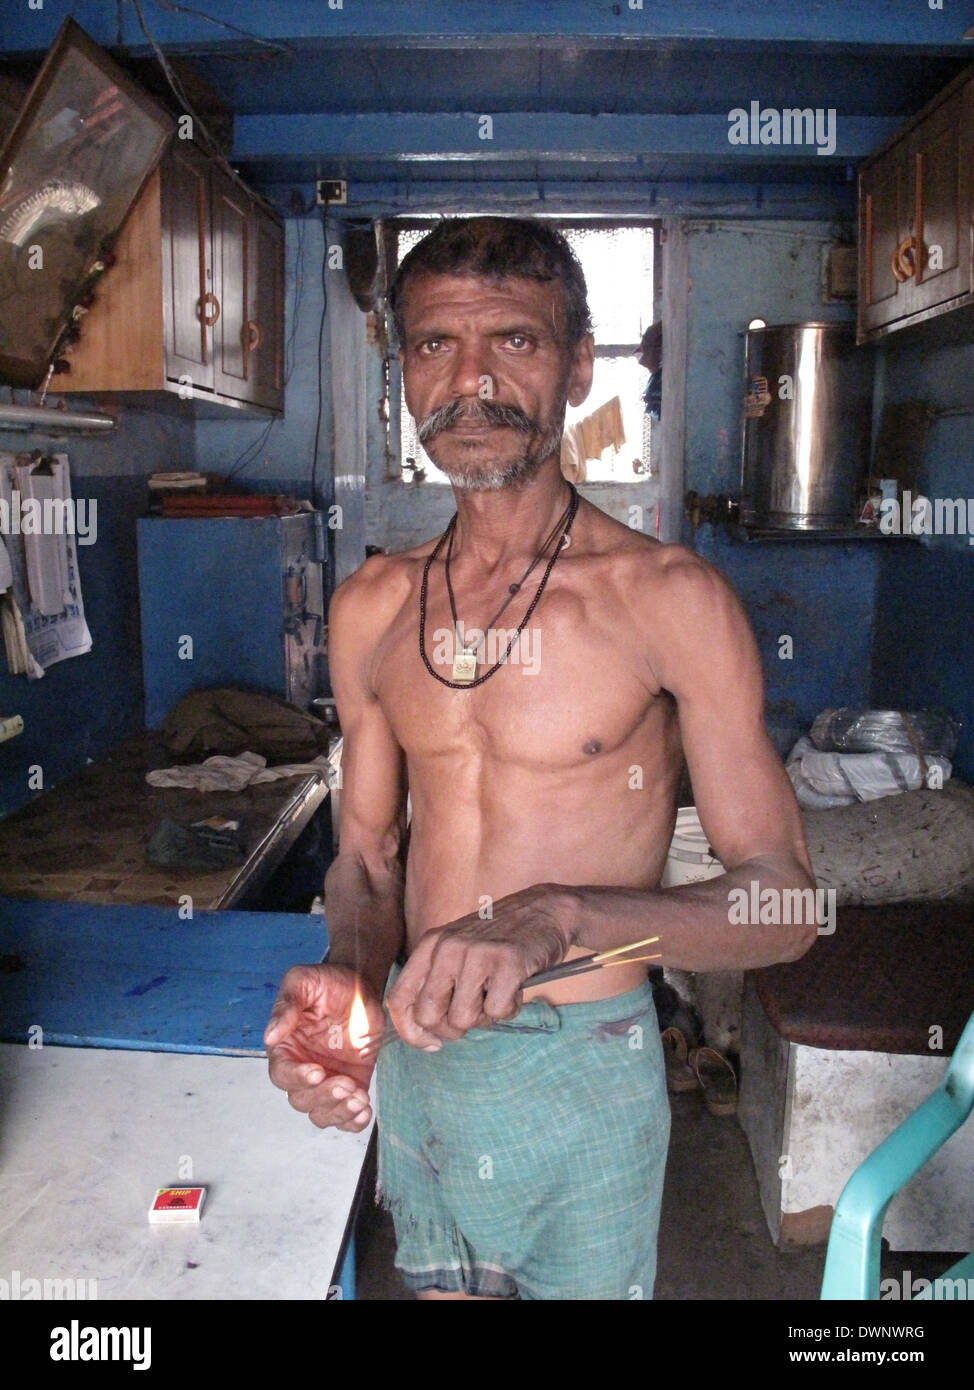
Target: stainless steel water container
{"x": 808, "y": 403}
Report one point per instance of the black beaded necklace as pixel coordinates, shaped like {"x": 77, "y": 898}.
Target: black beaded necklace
{"x": 465, "y": 662}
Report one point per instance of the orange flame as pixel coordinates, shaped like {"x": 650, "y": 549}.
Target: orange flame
{"x": 358, "y": 1022}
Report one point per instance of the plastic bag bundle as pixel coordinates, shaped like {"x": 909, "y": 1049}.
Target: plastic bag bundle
{"x": 886, "y": 731}
{"x": 822, "y": 780}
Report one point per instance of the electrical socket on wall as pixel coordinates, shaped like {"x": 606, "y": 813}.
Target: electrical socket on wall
{"x": 839, "y": 274}
{"x": 331, "y": 191}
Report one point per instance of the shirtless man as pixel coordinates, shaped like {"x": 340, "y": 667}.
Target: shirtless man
{"x": 523, "y": 1132}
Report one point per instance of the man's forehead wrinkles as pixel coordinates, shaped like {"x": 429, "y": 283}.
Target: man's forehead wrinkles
{"x": 468, "y": 290}
{"x": 444, "y": 320}
{"x": 482, "y": 303}
{"x": 479, "y": 284}
{"x": 507, "y": 322}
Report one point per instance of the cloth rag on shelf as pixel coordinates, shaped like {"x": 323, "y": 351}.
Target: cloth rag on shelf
{"x": 225, "y": 774}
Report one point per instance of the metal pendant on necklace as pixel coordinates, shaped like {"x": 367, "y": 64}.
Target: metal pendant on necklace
{"x": 465, "y": 667}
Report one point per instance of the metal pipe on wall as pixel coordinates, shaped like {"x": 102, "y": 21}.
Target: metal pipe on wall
{"x": 43, "y": 419}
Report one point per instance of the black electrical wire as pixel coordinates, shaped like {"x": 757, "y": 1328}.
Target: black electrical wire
{"x": 170, "y": 76}
{"x": 209, "y": 140}
{"x": 321, "y": 340}
{"x": 274, "y": 44}
{"x": 296, "y": 306}
{"x": 247, "y": 455}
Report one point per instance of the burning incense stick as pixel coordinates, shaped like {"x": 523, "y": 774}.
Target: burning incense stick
{"x": 620, "y": 950}
{"x": 583, "y": 966}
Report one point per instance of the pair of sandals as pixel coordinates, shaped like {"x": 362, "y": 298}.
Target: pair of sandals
{"x": 700, "y": 1069}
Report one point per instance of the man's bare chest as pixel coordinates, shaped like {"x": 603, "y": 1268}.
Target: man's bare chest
{"x": 572, "y": 687}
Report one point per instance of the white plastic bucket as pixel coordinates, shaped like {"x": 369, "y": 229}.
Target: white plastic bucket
{"x": 689, "y": 859}
{"x": 716, "y": 994}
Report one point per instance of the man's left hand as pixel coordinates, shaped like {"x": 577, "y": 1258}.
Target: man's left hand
{"x": 469, "y": 973}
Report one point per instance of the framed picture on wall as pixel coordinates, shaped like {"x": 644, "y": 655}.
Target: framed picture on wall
{"x": 79, "y": 153}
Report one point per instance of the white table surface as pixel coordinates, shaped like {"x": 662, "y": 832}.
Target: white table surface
{"x": 87, "y": 1135}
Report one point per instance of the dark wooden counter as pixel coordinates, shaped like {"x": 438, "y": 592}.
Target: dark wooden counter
{"x": 84, "y": 840}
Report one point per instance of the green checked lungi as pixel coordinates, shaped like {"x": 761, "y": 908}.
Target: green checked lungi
{"x": 526, "y": 1161}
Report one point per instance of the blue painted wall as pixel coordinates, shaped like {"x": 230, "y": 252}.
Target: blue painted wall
{"x": 81, "y": 706}
{"x": 821, "y": 594}
{"x": 790, "y": 588}
{"x": 923, "y": 653}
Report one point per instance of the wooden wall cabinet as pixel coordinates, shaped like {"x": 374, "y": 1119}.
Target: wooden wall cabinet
{"x": 916, "y": 217}
{"x": 194, "y": 304}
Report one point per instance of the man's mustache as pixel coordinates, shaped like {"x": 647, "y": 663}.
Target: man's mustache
{"x": 475, "y": 413}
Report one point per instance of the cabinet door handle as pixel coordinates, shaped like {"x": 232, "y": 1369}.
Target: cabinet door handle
{"x": 210, "y": 300}
{"x": 901, "y": 266}
{"x": 254, "y": 334}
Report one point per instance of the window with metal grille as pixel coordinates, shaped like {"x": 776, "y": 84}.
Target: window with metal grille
{"x": 617, "y": 261}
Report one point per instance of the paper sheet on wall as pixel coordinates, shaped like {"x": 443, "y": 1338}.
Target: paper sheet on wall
{"x": 36, "y": 522}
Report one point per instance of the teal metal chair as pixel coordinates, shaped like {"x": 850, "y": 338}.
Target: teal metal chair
{"x": 852, "y": 1262}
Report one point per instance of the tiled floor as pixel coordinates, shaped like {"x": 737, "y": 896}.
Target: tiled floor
{"x": 714, "y": 1242}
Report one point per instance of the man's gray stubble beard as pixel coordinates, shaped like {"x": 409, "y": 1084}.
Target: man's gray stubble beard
{"x": 517, "y": 471}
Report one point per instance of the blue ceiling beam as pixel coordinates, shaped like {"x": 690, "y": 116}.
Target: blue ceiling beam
{"x": 602, "y": 197}
{"x": 893, "y": 23}
{"x": 413, "y": 137}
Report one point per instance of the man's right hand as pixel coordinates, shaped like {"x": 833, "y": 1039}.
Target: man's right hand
{"x": 309, "y": 1054}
